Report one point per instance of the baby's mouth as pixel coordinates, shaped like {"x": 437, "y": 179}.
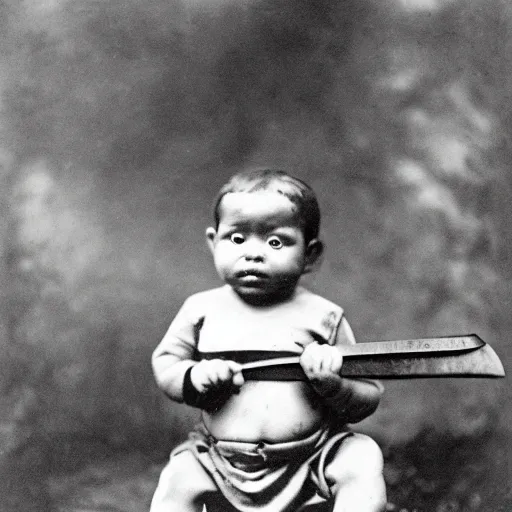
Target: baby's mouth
{"x": 251, "y": 275}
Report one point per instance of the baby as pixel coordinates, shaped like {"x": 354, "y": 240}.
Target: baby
{"x": 272, "y": 441}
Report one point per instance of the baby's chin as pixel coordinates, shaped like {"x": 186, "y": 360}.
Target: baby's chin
{"x": 260, "y": 296}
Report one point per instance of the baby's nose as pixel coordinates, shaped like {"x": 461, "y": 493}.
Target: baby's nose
{"x": 254, "y": 251}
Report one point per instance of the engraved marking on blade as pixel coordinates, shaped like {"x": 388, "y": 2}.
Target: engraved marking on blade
{"x": 444, "y": 344}
{"x": 433, "y": 346}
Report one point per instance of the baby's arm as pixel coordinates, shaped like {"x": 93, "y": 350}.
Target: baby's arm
{"x": 351, "y": 399}
{"x": 177, "y": 373}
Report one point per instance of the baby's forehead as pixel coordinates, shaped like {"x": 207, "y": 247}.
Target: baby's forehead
{"x": 269, "y": 207}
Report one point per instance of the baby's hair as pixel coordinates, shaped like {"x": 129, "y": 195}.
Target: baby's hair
{"x": 276, "y": 180}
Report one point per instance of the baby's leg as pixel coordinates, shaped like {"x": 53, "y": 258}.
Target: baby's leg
{"x": 183, "y": 486}
{"x": 355, "y": 476}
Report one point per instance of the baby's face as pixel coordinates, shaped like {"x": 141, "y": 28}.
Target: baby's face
{"x": 259, "y": 247}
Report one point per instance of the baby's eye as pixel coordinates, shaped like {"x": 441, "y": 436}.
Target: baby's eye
{"x": 275, "y": 242}
{"x": 237, "y": 238}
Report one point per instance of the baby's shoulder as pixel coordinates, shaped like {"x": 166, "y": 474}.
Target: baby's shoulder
{"x": 310, "y": 300}
{"x": 321, "y": 314}
{"x": 203, "y": 300}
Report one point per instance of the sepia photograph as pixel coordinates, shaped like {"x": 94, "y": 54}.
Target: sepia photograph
{"x": 256, "y": 255}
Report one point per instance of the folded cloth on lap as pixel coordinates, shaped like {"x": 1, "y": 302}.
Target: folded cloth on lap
{"x": 266, "y": 477}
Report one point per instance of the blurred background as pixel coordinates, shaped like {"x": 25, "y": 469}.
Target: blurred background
{"x": 120, "y": 120}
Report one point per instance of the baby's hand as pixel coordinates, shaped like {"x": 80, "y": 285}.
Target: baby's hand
{"x": 214, "y": 373}
{"x": 322, "y": 366}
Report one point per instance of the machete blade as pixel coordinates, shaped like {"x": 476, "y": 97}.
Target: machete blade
{"x": 480, "y": 362}
{"x": 449, "y": 356}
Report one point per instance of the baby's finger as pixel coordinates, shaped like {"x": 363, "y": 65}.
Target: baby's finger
{"x": 330, "y": 359}
{"x": 336, "y": 362}
{"x": 236, "y": 373}
{"x": 219, "y": 372}
{"x": 238, "y": 379}
{"x": 310, "y": 360}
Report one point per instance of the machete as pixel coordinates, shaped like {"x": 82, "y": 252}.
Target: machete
{"x": 449, "y": 356}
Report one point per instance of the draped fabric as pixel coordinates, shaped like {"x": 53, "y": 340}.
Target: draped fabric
{"x": 267, "y": 477}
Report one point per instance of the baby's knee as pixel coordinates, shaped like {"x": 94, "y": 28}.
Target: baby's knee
{"x": 183, "y": 483}
{"x": 355, "y": 475}
{"x": 359, "y": 458}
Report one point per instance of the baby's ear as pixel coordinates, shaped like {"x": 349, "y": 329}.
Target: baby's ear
{"x": 210, "y": 238}
{"x": 314, "y": 251}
